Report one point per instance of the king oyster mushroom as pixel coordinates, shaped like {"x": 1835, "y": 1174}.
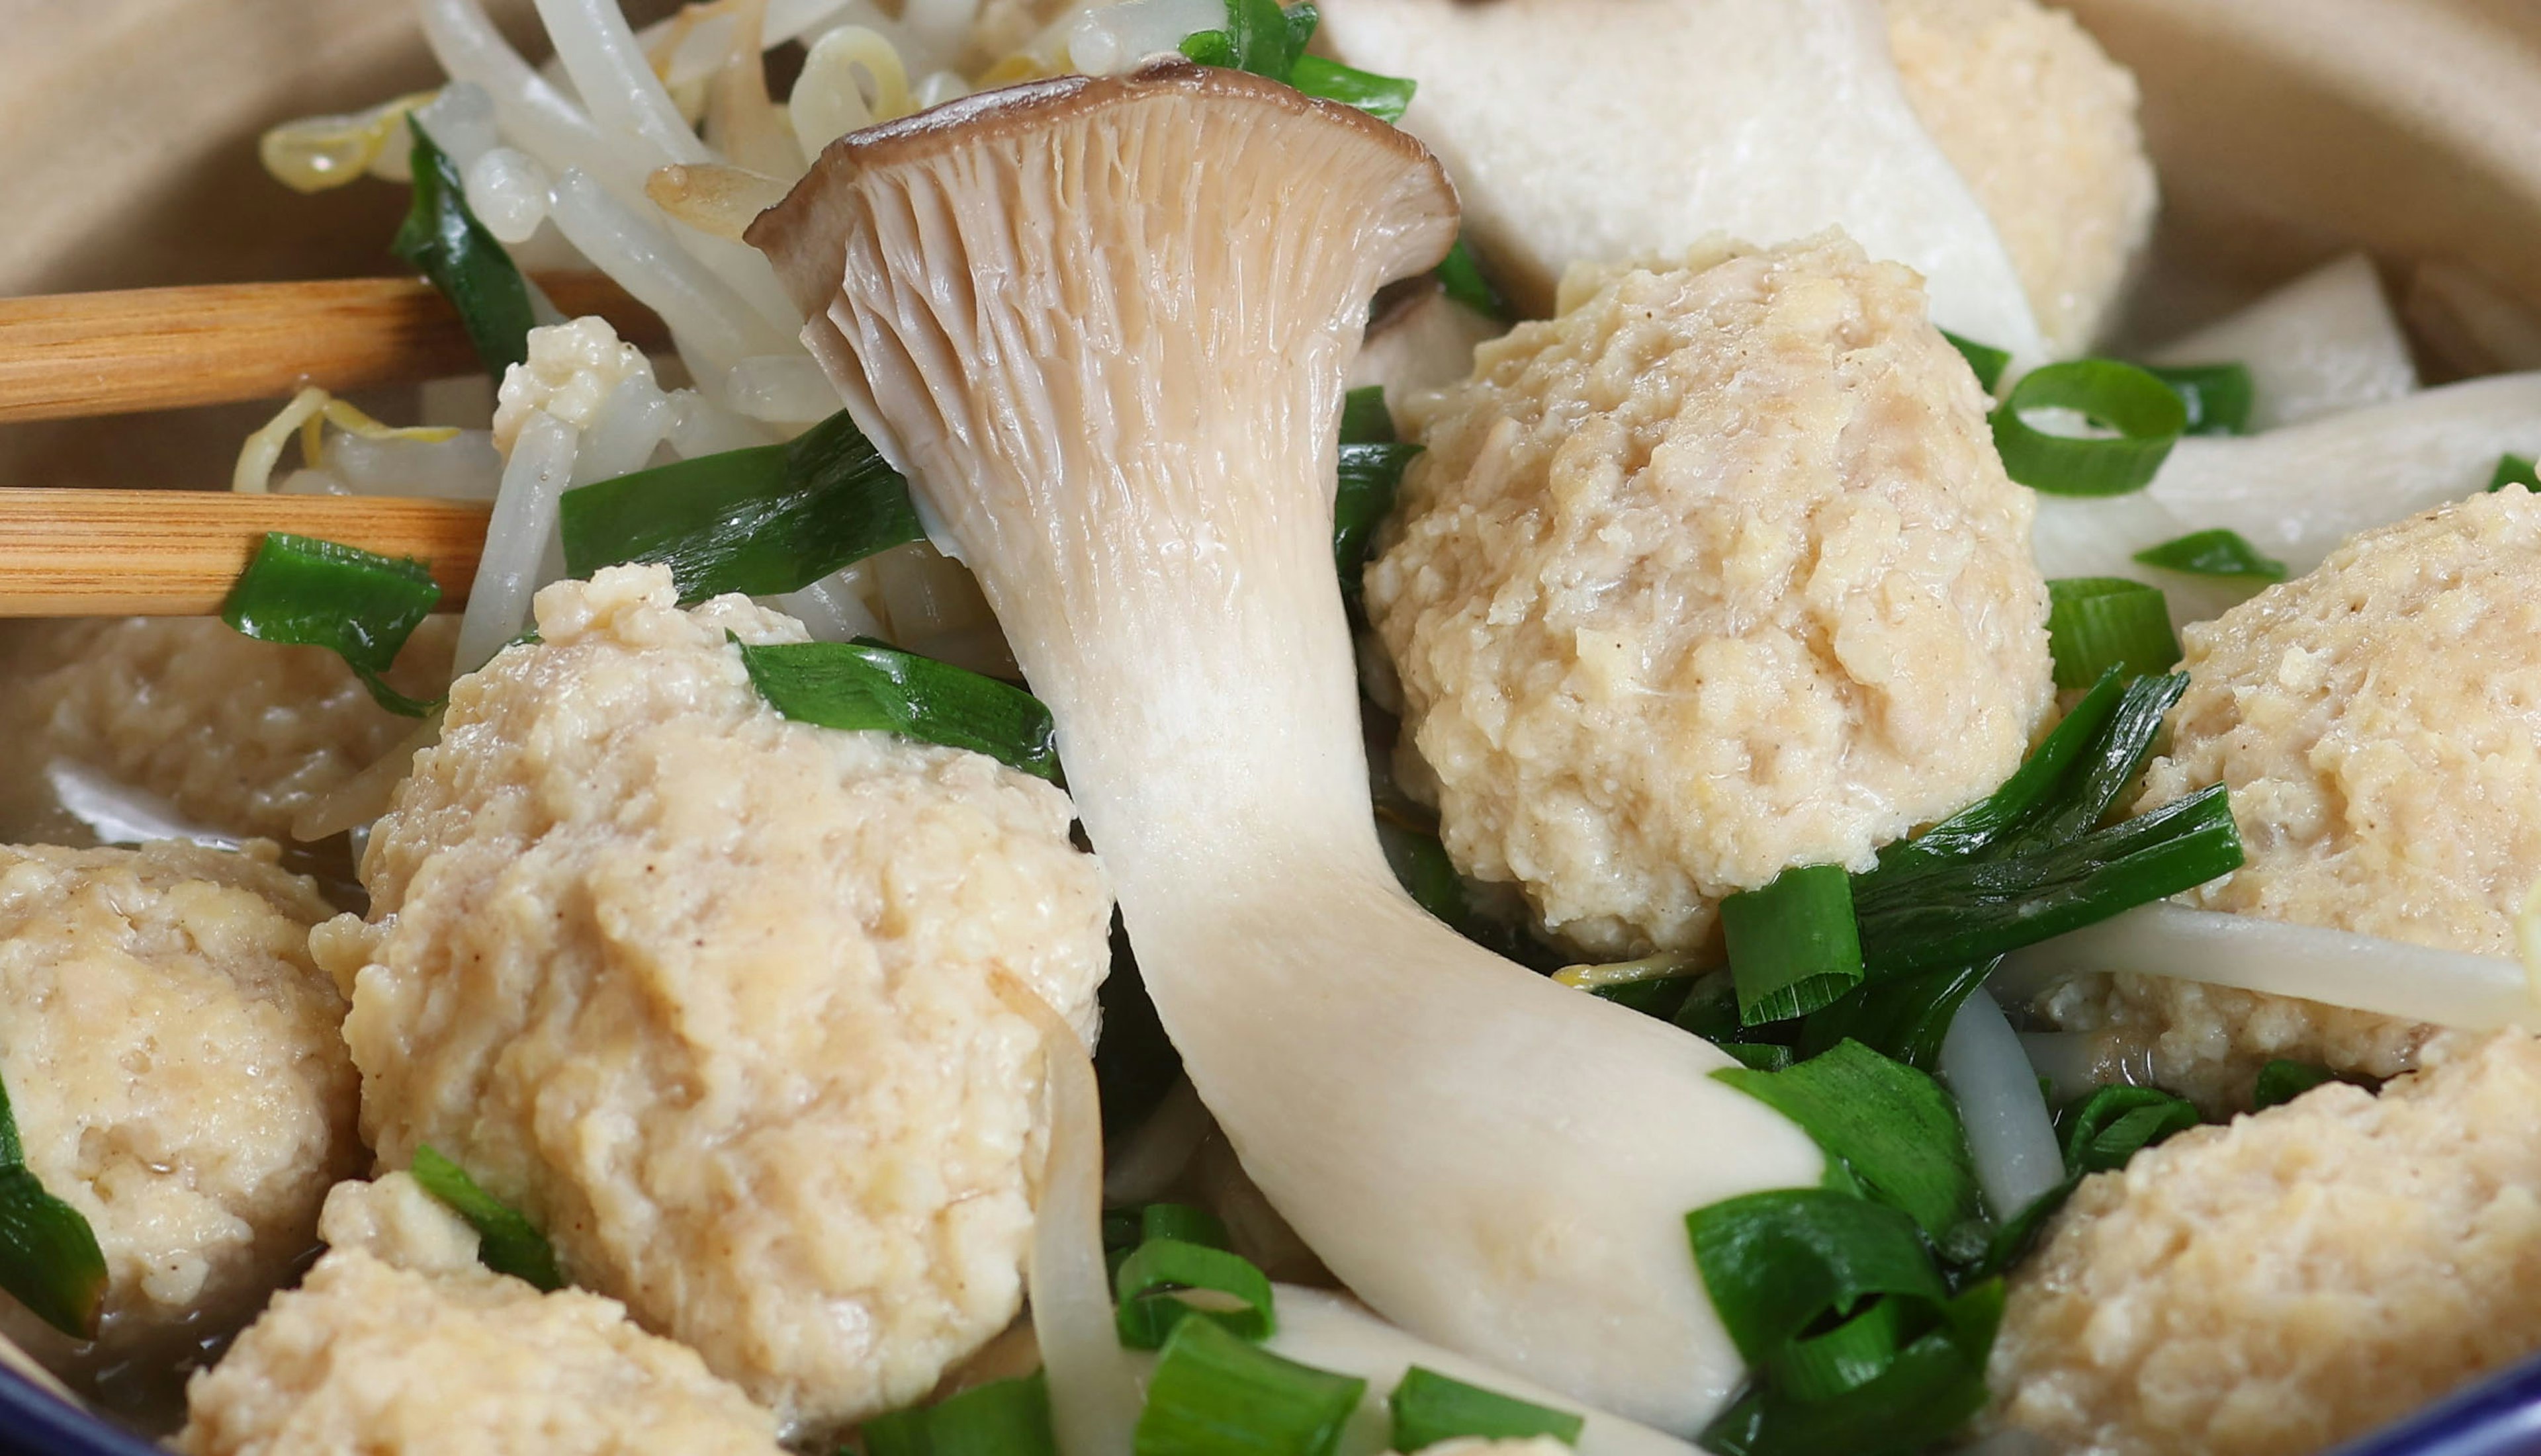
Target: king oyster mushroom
{"x": 1103, "y": 324}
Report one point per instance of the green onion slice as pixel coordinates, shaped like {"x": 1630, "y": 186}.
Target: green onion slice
{"x": 360, "y": 607}
{"x": 49, "y": 1260}
{"x": 2514, "y": 471}
{"x": 1003, "y": 1418}
{"x": 2214, "y": 553}
{"x": 2106, "y": 771}
{"x": 506, "y": 1242}
{"x": 1429, "y": 1408}
{"x": 1384, "y": 98}
{"x": 2014, "y": 1238}
{"x": 2096, "y": 623}
{"x": 1467, "y": 284}
{"x": 1182, "y": 1221}
{"x": 866, "y": 684}
{"x": 1365, "y": 420}
{"x": 443, "y": 240}
{"x": 1792, "y": 945}
{"x": 1150, "y": 1282}
{"x": 2146, "y": 413}
{"x": 2281, "y": 1082}
{"x": 1421, "y": 862}
{"x": 1903, "y": 1018}
{"x": 2218, "y": 396}
{"x": 1930, "y": 1389}
{"x": 1214, "y": 1394}
{"x": 1890, "y": 1125}
{"x": 1779, "y": 1263}
{"x": 1371, "y": 476}
{"x": 2116, "y": 1123}
{"x": 1974, "y": 829}
{"x": 1960, "y": 912}
{"x": 1987, "y": 361}
{"x": 764, "y": 520}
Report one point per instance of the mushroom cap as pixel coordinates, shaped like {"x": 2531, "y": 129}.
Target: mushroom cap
{"x": 1004, "y": 182}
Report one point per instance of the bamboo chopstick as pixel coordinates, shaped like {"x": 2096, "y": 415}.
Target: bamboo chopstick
{"x": 166, "y": 553}
{"x": 68, "y": 355}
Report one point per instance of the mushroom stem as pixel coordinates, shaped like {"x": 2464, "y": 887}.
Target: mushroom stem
{"x": 1104, "y": 324}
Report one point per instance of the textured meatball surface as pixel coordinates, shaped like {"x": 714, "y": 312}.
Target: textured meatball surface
{"x": 236, "y": 733}
{"x": 2275, "y": 1287}
{"x": 2378, "y": 721}
{"x": 174, "y": 1061}
{"x": 399, "y": 1344}
{"x": 1714, "y": 574}
{"x": 2042, "y": 124}
{"x": 716, "y": 997}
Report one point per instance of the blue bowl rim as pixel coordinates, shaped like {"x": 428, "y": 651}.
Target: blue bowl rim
{"x": 2500, "y": 1415}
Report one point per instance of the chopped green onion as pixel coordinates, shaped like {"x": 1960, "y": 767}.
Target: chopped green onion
{"x": 2281, "y": 1082}
{"x": 1429, "y": 1408}
{"x": 1958, "y": 911}
{"x": 1710, "y": 1008}
{"x": 1987, "y": 361}
{"x": 2146, "y": 412}
{"x": 1467, "y": 284}
{"x": 1890, "y": 1125}
{"x": 2014, "y": 1238}
{"x": 1792, "y": 945}
{"x": 358, "y": 605}
{"x": 1365, "y": 420}
{"x": 1759, "y": 1056}
{"x": 1384, "y": 98}
{"x": 1210, "y": 48}
{"x": 1779, "y": 1263}
{"x": 2218, "y": 396}
{"x": 49, "y": 1261}
{"x": 1976, "y": 828}
{"x": 444, "y": 241}
{"x": 2096, "y": 623}
{"x": 1369, "y": 477}
{"x": 2514, "y": 471}
{"x": 872, "y": 685}
{"x": 1934, "y": 1386}
{"x": 2116, "y": 1123}
{"x": 506, "y": 1242}
{"x": 1421, "y": 862}
{"x": 1150, "y": 1281}
{"x": 1214, "y": 1394}
{"x": 1903, "y": 1018}
{"x": 2214, "y": 553}
{"x": 1182, "y": 1221}
{"x": 1003, "y": 1418}
{"x": 763, "y": 521}
{"x": 2116, "y": 757}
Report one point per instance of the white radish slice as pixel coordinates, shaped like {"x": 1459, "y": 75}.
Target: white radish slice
{"x": 1764, "y": 119}
{"x": 2321, "y": 345}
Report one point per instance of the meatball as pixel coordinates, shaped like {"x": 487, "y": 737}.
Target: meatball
{"x": 571, "y": 369}
{"x": 237, "y": 733}
{"x": 1712, "y": 575}
{"x": 2042, "y": 125}
{"x": 2378, "y": 721}
{"x": 717, "y": 998}
{"x": 2298, "y": 1278}
{"x": 399, "y": 1344}
{"x": 173, "y": 1061}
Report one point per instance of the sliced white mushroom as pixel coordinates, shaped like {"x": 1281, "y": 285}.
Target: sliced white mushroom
{"x": 1616, "y": 130}
{"x": 1104, "y": 325}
